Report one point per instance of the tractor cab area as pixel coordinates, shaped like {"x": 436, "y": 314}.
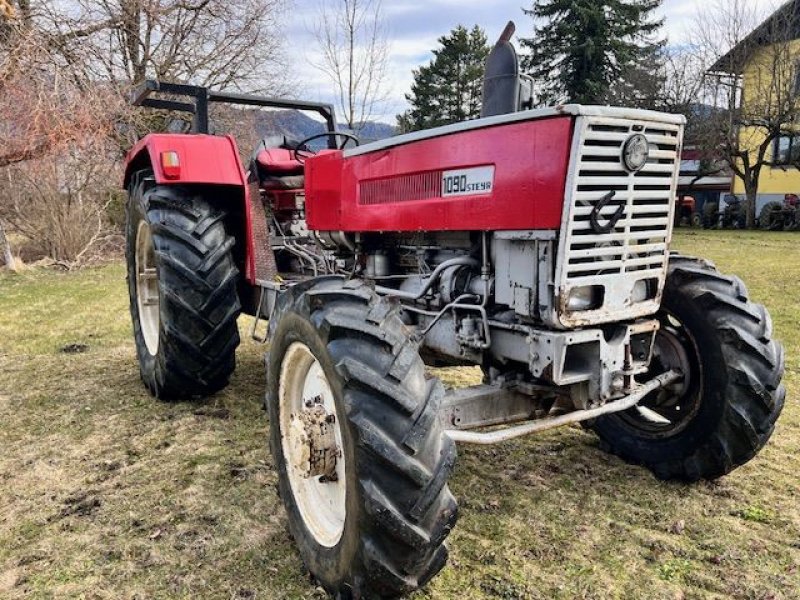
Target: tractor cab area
{"x": 276, "y": 165}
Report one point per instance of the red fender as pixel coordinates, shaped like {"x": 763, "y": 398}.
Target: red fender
{"x": 203, "y": 159}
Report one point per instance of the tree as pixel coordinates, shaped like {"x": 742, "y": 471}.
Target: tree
{"x": 683, "y": 77}
{"x": 585, "y": 50}
{"x": 355, "y": 51}
{"x": 448, "y": 90}
{"x": 65, "y": 69}
{"x": 641, "y": 84}
{"x": 205, "y": 42}
{"x": 753, "y": 83}
{"x": 58, "y": 162}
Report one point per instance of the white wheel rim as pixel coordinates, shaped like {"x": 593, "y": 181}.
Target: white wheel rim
{"x": 322, "y": 505}
{"x": 147, "y": 298}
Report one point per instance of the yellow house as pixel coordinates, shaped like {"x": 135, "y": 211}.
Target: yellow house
{"x": 760, "y": 76}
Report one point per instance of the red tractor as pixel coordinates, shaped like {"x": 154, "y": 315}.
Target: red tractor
{"x": 531, "y": 243}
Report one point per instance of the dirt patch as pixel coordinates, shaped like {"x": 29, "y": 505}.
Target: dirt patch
{"x": 10, "y": 579}
{"x": 81, "y": 504}
{"x": 74, "y": 348}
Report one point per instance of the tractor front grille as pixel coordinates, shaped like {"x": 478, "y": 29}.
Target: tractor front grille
{"x": 600, "y": 251}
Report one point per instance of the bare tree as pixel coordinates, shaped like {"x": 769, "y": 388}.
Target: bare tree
{"x": 753, "y": 83}
{"x": 41, "y": 109}
{"x": 65, "y": 66}
{"x": 354, "y": 47}
{"x": 683, "y": 77}
{"x": 207, "y": 42}
{"x": 58, "y": 160}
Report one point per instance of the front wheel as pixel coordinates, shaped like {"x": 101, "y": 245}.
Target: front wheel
{"x": 724, "y": 409}
{"x": 361, "y": 456}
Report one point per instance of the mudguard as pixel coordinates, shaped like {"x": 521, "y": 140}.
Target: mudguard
{"x": 203, "y": 160}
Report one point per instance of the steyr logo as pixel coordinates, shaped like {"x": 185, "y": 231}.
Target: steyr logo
{"x": 468, "y": 182}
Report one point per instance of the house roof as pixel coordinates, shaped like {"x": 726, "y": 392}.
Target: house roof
{"x": 781, "y": 26}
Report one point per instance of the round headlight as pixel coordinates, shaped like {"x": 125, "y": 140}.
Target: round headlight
{"x": 636, "y": 152}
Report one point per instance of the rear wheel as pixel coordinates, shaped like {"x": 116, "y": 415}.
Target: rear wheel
{"x": 362, "y": 460}
{"x": 724, "y": 408}
{"x": 182, "y": 286}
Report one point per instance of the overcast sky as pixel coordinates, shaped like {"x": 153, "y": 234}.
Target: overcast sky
{"x": 415, "y": 25}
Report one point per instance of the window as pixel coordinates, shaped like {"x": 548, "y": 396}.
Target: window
{"x": 786, "y": 150}
{"x": 797, "y": 78}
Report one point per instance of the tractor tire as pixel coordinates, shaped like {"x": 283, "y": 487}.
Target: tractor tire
{"x": 381, "y": 532}
{"x": 710, "y": 215}
{"x": 771, "y": 216}
{"x": 182, "y": 286}
{"x": 725, "y": 407}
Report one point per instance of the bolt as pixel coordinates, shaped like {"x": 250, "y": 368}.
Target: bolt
{"x": 617, "y": 383}
{"x": 330, "y": 419}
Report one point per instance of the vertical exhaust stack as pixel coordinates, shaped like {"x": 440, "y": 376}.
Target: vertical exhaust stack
{"x": 505, "y": 89}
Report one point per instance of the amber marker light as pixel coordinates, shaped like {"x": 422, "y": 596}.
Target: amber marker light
{"x": 171, "y": 164}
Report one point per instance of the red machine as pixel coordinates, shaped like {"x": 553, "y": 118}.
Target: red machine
{"x": 531, "y": 243}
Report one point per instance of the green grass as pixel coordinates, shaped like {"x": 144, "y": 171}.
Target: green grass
{"x": 106, "y": 493}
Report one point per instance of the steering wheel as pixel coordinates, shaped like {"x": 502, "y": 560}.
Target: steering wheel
{"x": 301, "y": 146}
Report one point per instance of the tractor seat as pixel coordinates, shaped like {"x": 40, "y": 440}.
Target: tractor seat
{"x": 276, "y": 166}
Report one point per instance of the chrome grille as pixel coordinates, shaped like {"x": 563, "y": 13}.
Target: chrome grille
{"x": 636, "y": 247}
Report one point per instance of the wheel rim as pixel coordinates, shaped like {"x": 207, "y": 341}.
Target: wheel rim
{"x": 668, "y": 411}
{"x": 320, "y": 499}
{"x": 147, "y": 295}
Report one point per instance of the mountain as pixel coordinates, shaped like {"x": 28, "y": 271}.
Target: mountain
{"x": 297, "y": 125}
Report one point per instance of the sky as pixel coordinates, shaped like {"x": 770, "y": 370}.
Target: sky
{"x": 415, "y": 25}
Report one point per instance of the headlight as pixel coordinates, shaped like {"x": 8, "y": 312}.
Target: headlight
{"x": 636, "y": 152}
{"x": 644, "y": 289}
{"x": 587, "y": 297}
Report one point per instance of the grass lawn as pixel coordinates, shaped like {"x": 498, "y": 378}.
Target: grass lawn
{"x": 106, "y": 493}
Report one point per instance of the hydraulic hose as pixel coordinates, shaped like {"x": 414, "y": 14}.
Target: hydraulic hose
{"x": 434, "y": 276}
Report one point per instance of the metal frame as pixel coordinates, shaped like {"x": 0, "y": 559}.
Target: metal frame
{"x": 577, "y": 416}
{"x": 202, "y": 96}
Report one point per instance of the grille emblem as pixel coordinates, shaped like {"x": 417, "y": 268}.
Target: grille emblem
{"x": 594, "y": 217}
{"x": 636, "y": 152}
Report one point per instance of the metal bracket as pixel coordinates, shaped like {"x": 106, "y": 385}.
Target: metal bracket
{"x": 269, "y": 292}
{"x": 484, "y": 405}
{"x": 256, "y": 318}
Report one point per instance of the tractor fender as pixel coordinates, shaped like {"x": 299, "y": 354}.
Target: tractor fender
{"x": 208, "y": 160}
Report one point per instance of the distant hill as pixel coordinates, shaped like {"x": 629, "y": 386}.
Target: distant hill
{"x": 297, "y": 125}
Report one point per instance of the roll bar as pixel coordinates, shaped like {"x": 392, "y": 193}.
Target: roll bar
{"x": 202, "y": 96}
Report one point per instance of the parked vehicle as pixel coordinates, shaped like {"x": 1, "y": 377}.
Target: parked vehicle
{"x": 531, "y": 243}
{"x": 777, "y": 216}
{"x": 686, "y": 212}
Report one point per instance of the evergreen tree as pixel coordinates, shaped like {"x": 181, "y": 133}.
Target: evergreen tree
{"x": 593, "y": 51}
{"x": 448, "y": 89}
